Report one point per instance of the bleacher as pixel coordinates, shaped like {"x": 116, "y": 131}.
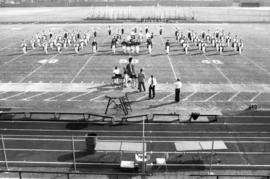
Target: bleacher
{"x": 182, "y": 3}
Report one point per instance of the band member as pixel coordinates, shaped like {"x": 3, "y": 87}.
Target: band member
{"x": 146, "y": 29}
{"x": 140, "y": 36}
{"x": 189, "y": 35}
{"x": 77, "y": 48}
{"x": 128, "y": 47}
{"x": 45, "y": 47}
{"x": 176, "y": 34}
{"x": 234, "y": 43}
{"x": 137, "y": 44}
{"x": 160, "y": 30}
{"x": 122, "y": 30}
{"x": 124, "y": 46}
{"x": 94, "y": 46}
{"x": 113, "y": 44}
{"x": 167, "y": 47}
{"x": 58, "y": 46}
{"x": 81, "y": 44}
{"x": 186, "y": 46}
{"x": 152, "y": 35}
{"x": 149, "y": 45}
{"x": 95, "y": 33}
{"x": 32, "y": 43}
{"x": 24, "y": 47}
{"x": 228, "y": 39}
{"x": 240, "y": 46}
{"x": 51, "y": 44}
{"x": 203, "y": 47}
{"x": 109, "y": 30}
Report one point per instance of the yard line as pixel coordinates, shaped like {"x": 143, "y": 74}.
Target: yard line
{"x": 7, "y": 46}
{"x": 8, "y": 36}
{"x": 142, "y": 97}
{"x": 175, "y": 76}
{"x": 32, "y": 72}
{"x": 15, "y": 58}
{"x": 258, "y": 46}
{"x": 49, "y": 99}
{"x": 97, "y": 97}
{"x": 4, "y": 99}
{"x": 236, "y": 94}
{"x": 27, "y": 99}
{"x": 86, "y": 63}
{"x": 228, "y": 80}
{"x": 211, "y": 97}
{"x": 255, "y": 64}
{"x": 169, "y": 95}
{"x": 187, "y": 97}
{"x": 71, "y": 99}
{"x": 257, "y": 95}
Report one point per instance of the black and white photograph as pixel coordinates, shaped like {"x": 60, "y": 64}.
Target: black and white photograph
{"x": 134, "y": 89}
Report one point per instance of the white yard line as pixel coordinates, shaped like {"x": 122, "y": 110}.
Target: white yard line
{"x": 236, "y": 94}
{"x": 6, "y": 98}
{"x": 15, "y": 58}
{"x": 74, "y": 97}
{"x": 187, "y": 97}
{"x": 50, "y": 99}
{"x": 258, "y": 46}
{"x": 211, "y": 97}
{"x": 32, "y": 72}
{"x": 7, "y": 46}
{"x": 257, "y": 95}
{"x": 175, "y": 76}
{"x": 169, "y": 95}
{"x": 86, "y": 63}
{"x": 142, "y": 97}
{"x": 28, "y": 99}
{"x": 255, "y": 64}
{"x": 221, "y": 72}
{"x": 97, "y": 97}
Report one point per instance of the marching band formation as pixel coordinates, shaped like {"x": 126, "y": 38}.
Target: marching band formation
{"x": 133, "y": 41}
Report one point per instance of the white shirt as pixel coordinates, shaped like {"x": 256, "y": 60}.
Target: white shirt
{"x": 116, "y": 71}
{"x": 154, "y": 81}
{"x": 178, "y": 85}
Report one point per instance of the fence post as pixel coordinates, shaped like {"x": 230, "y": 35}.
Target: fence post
{"x": 4, "y": 150}
{"x": 20, "y": 175}
{"x": 211, "y": 160}
{"x": 67, "y": 175}
{"x": 74, "y": 156}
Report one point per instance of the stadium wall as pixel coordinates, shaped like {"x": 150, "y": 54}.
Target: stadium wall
{"x": 181, "y": 3}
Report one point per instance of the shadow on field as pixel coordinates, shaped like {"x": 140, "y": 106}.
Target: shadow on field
{"x": 157, "y": 54}
{"x": 212, "y": 54}
{"x": 160, "y": 105}
{"x": 76, "y": 126}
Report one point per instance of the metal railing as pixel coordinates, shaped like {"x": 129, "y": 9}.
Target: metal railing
{"x": 68, "y": 174}
{"x": 56, "y": 115}
{"x": 219, "y": 176}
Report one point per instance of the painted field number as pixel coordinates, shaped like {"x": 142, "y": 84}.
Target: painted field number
{"x": 51, "y": 61}
{"x": 134, "y": 61}
{"x": 217, "y": 62}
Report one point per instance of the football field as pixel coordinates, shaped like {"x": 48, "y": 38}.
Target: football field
{"x": 84, "y": 78}
{"x": 80, "y": 82}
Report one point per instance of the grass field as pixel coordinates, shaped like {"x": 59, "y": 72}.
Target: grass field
{"x": 81, "y": 82}
{"x": 239, "y": 78}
